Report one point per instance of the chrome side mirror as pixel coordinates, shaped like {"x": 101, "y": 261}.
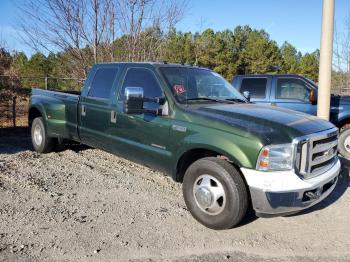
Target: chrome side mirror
{"x": 133, "y": 103}
{"x": 135, "y": 92}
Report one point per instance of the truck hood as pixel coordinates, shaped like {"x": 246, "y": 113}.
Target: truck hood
{"x": 273, "y": 125}
{"x": 339, "y": 100}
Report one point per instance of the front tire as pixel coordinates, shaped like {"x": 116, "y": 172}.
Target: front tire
{"x": 215, "y": 193}
{"x": 344, "y": 143}
{"x": 41, "y": 142}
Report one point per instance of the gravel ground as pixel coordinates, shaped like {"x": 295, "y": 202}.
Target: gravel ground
{"x": 84, "y": 204}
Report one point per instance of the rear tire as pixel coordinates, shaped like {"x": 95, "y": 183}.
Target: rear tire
{"x": 215, "y": 193}
{"x": 344, "y": 143}
{"x": 41, "y": 142}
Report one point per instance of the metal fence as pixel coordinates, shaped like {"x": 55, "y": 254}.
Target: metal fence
{"x": 45, "y": 82}
{"x": 14, "y": 111}
{"x": 14, "y": 96}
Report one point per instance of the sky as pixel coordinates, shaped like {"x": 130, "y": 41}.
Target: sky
{"x": 295, "y": 21}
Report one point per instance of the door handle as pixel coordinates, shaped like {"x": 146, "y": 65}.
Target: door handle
{"x": 83, "y": 110}
{"x": 113, "y": 117}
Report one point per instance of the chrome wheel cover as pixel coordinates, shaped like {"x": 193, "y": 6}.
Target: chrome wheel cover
{"x": 209, "y": 194}
{"x": 347, "y": 144}
{"x": 38, "y": 135}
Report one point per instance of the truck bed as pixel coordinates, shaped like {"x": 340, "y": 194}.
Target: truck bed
{"x": 61, "y": 111}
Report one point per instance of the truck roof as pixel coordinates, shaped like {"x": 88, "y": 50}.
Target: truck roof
{"x": 264, "y": 75}
{"x": 156, "y": 64}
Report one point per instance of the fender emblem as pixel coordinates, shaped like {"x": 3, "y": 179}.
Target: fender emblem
{"x": 158, "y": 146}
{"x": 179, "y": 128}
{"x": 329, "y": 152}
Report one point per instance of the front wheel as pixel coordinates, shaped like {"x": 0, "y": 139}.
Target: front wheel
{"x": 215, "y": 193}
{"x": 344, "y": 143}
{"x": 41, "y": 142}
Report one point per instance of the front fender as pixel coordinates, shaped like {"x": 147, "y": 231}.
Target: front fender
{"x": 340, "y": 113}
{"x": 242, "y": 151}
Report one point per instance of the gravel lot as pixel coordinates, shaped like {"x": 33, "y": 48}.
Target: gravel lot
{"x": 83, "y": 204}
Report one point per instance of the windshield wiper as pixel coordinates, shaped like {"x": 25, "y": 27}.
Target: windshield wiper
{"x": 235, "y": 100}
{"x": 203, "y": 99}
{"x": 229, "y": 100}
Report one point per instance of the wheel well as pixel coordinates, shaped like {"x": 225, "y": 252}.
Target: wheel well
{"x": 344, "y": 123}
{"x": 190, "y": 157}
{"x": 33, "y": 113}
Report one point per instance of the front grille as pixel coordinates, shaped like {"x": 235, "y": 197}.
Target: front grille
{"x": 316, "y": 153}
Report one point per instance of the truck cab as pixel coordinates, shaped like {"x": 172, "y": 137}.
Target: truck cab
{"x": 297, "y": 93}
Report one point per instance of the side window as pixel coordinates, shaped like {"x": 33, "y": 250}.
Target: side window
{"x": 292, "y": 88}
{"x": 256, "y": 87}
{"x": 103, "y": 82}
{"x": 139, "y": 77}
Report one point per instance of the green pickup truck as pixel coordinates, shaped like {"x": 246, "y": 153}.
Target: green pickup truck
{"x": 189, "y": 122}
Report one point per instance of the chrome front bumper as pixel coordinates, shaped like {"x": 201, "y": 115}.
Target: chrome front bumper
{"x": 284, "y": 192}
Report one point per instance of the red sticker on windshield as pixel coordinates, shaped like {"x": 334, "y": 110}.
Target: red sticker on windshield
{"x": 179, "y": 89}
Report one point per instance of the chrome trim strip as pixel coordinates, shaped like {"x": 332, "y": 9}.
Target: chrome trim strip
{"x": 324, "y": 158}
{"x": 303, "y": 156}
{"x": 324, "y": 147}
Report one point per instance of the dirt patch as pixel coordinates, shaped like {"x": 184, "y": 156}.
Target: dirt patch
{"x": 84, "y": 204}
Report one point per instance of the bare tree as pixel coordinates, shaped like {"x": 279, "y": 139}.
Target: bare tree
{"x": 78, "y": 27}
{"x": 202, "y": 23}
{"x": 4, "y": 56}
{"x": 144, "y": 23}
{"x": 3, "y": 44}
{"x": 341, "y": 61}
{"x": 89, "y": 30}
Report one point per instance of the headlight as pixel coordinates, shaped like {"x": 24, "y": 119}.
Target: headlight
{"x": 276, "y": 157}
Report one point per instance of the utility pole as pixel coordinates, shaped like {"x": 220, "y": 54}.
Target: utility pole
{"x": 325, "y": 70}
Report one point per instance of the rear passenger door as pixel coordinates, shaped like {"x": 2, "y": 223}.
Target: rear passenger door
{"x": 258, "y": 87}
{"x": 293, "y": 93}
{"x": 95, "y": 106}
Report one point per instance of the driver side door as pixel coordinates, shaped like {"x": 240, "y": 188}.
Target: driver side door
{"x": 293, "y": 93}
{"x": 144, "y": 137}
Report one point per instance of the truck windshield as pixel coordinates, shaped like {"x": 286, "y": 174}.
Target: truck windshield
{"x": 196, "y": 84}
